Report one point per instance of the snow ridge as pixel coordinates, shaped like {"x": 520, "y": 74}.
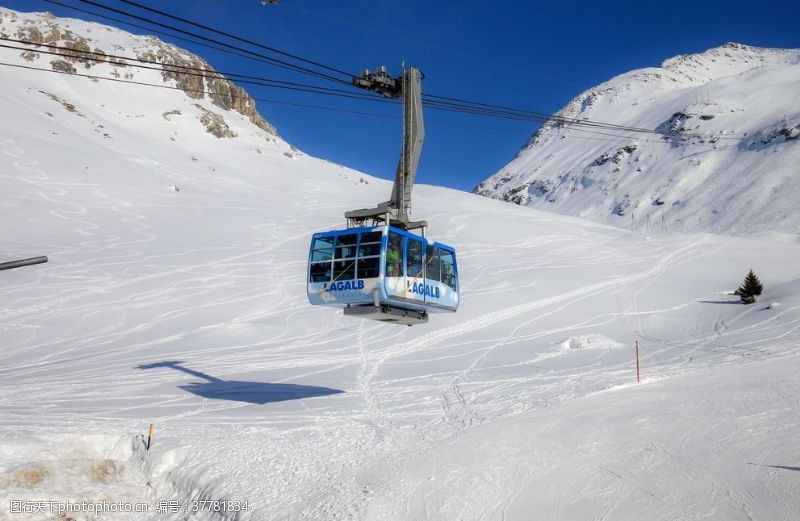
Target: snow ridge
{"x": 723, "y": 158}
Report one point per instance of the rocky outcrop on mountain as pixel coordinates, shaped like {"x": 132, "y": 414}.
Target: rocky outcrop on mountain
{"x": 198, "y": 79}
{"x": 214, "y": 123}
{"x": 72, "y": 51}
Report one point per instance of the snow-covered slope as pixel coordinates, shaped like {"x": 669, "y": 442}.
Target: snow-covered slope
{"x": 187, "y": 309}
{"x": 725, "y": 158}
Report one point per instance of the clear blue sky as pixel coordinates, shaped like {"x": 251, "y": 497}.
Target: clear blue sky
{"x": 526, "y": 54}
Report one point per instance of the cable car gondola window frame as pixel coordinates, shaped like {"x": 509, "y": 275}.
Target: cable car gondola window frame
{"x": 433, "y": 268}
{"x": 321, "y": 268}
{"x": 323, "y": 249}
{"x": 449, "y": 268}
{"x": 344, "y": 256}
{"x": 415, "y": 264}
{"x": 369, "y": 255}
{"x": 394, "y": 263}
{"x": 346, "y": 245}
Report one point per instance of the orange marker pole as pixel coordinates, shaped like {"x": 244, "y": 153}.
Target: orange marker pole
{"x": 149, "y": 435}
{"x": 637, "y": 365}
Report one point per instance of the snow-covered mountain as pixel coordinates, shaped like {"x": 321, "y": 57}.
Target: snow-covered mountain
{"x": 724, "y": 159}
{"x": 75, "y": 46}
{"x": 175, "y": 296}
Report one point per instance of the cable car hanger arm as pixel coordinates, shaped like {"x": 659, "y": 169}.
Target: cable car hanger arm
{"x": 396, "y": 211}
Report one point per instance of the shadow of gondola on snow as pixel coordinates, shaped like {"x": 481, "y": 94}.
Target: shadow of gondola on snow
{"x": 240, "y": 391}
{"x": 796, "y": 469}
{"x": 782, "y": 467}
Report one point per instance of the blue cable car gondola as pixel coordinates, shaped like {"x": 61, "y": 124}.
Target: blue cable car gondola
{"x": 382, "y": 273}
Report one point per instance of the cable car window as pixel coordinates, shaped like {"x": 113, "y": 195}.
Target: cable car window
{"x": 344, "y": 269}
{"x": 321, "y": 272}
{"x": 346, "y": 246}
{"x": 370, "y": 244}
{"x": 448, "y": 268}
{"x": 414, "y": 261}
{"x": 369, "y": 268}
{"x": 323, "y": 249}
{"x": 433, "y": 269}
{"x": 394, "y": 255}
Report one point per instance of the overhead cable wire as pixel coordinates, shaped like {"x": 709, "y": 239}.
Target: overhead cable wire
{"x": 571, "y": 122}
{"x": 267, "y": 82}
{"x": 233, "y": 37}
{"x": 268, "y": 100}
{"x": 438, "y": 102}
{"x": 162, "y": 86}
{"x": 269, "y": 59}
{"x": 476, "y": 104}
{"x": 456, "y": 103}
{"x": 641, "y": 139}
{"x": 542, "y": 118}
{"x": 157, "y": 31}
{"x": 666, "y": 139}
{"x": 220, "y": 48}
{"x": 100, "y": 57}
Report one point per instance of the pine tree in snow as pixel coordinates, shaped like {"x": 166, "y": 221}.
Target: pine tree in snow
{"x": 750, "y": 288}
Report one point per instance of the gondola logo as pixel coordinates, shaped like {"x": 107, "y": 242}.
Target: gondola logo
{"x": 344, "y": 285}
{"x": 424, "y": 289}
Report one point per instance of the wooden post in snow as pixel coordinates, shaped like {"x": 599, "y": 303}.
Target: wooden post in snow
{"x": 149, "y": 436}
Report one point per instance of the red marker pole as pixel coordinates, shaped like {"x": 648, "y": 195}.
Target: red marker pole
{"x": 637, "y": 362}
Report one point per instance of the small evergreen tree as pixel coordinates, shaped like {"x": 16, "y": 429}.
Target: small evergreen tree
{"x": 750, "y": 288}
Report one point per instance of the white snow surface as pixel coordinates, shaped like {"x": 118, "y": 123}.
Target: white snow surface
{"x": 187, "y": 309}
{"x": 725, "y": 159}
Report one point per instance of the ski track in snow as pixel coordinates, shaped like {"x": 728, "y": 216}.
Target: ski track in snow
{"x": 464, "y": 401}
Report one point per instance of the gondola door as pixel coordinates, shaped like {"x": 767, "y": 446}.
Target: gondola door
{"x": 415, "y": 270}
{"x": 394, "y": 272}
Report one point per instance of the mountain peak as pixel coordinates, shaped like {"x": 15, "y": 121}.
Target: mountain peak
{"x": 720, "y": 155}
